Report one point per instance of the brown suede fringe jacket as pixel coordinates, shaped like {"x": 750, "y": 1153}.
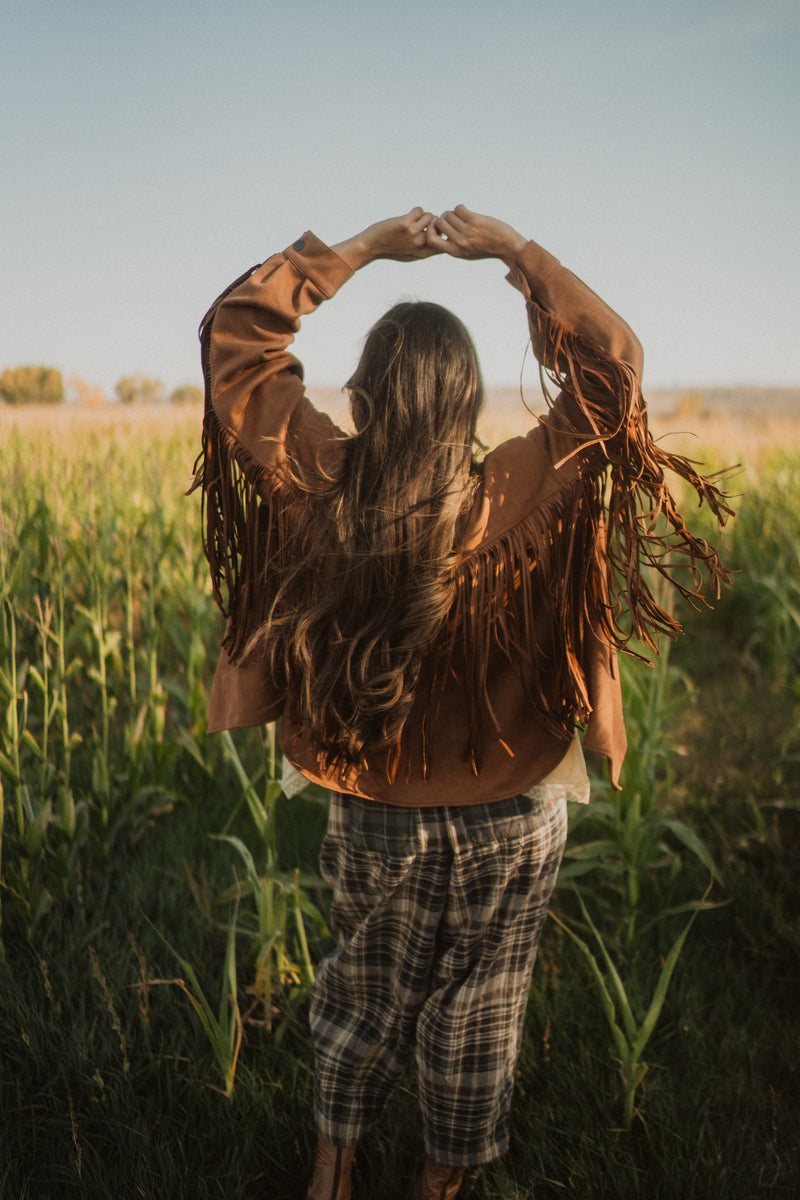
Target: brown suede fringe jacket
{"x": 569, "y": 528}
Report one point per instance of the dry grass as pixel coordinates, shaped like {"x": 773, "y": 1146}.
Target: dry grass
{"x": 136, "y": 419}
{"x": 733, "y": 438}
{"x": 738, "y": 436}
{"x": 726, "y": 438}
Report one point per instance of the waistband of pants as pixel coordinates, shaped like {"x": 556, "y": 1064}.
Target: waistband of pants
{"x": 397, "y": 830}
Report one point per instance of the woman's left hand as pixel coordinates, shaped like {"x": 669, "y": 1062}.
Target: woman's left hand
{"x": 401, "y": 239}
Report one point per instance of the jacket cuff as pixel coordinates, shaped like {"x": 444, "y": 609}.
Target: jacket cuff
{"x": 318, "y": 263}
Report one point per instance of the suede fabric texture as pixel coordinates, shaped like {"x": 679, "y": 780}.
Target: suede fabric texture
{"x": 260, "y": 403}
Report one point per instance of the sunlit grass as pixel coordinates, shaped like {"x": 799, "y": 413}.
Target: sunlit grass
{"x": 122, "y": 817}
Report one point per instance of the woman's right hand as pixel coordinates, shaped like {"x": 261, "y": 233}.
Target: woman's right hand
{"x": 401, "y": 239}
{"x": 466, "y": 234}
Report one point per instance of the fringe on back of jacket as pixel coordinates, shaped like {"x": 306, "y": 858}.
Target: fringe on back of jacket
{"x": 591, "y": 562}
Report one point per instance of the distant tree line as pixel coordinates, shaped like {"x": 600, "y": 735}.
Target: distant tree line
{"x": 45, "y": 385}
{"x": 32, "y": 385}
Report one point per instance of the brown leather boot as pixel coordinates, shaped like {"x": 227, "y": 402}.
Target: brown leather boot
{"x": 331, "y": 1178}
{"x": 437, "y": 1182}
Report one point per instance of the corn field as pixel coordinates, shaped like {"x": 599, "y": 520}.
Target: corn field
{"x": 108, "y": 636}
{"x": 105, "y": 626}
{"x": 103, "y": 633}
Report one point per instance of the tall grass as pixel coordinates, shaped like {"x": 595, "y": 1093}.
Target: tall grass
{"x": 104, "y": 622}
{"x": 122, "y": 817}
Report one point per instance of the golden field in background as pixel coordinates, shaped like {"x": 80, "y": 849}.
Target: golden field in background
{"x": 724, "y": 437}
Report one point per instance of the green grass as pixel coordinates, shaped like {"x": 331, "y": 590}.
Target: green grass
{"x": 84, "y": 1116}
{"x": 109, "y": 1085}
{"x": 718, "y": 1114}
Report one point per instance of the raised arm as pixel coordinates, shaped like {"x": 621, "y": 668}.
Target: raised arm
{"x": 256, "y": 407}
{"x": 597, "y": 420}
{"x": 255, "y": 380}
{"x": 542, "y": 279}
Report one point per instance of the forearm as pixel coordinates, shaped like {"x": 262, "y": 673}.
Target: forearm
{"x": 355, "y": 251}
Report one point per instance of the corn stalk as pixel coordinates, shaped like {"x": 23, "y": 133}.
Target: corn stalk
{"x": 629, "y": 1035}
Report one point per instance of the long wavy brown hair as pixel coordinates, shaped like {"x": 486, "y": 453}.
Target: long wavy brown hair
{"x": 369, "y": 578}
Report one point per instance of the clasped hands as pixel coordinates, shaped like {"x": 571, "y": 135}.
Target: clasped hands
{"x": 419, "y": 234}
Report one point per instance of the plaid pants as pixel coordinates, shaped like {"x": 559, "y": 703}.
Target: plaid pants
{"x": 438, "y": 913}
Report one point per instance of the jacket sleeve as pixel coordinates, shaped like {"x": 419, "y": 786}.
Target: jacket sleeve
{"x": 257, "y": 392}
{"x": 256, "y": 413}
{"x": 586, "y": 351}
{"x": 575, "y": 523}
{"x": 598, "y": 441}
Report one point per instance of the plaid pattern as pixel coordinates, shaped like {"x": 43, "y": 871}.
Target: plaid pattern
{"x": 438, "y": 913}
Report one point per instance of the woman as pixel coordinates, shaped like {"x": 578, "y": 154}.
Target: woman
{"x": 431, "y": 633}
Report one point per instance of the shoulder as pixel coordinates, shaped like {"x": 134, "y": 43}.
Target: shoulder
{"x": 518, "y": 477}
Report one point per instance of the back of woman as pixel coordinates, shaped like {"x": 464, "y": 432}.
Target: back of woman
{"x": 432, "y": 634}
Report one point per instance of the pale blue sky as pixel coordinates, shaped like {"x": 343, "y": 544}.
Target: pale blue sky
{"x": 151, "y": 151}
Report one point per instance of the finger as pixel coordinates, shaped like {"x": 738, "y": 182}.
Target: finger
{"x": 444, "y": 226}
{"x": 436, "y": 234}
{"x": 420, "y": 226}
{"x": 428, "y": 243}
{"x": 418, "y": 235}
{"x": 451, "y": 235}
{"x": 457, "y": 217}
{"x": 433, "y": 243}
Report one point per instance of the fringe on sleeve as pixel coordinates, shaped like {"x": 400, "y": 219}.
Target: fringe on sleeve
{"x": 646, "y": 533}
{"x": 238, "y": 526}
{"x": 592, "y": 560}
